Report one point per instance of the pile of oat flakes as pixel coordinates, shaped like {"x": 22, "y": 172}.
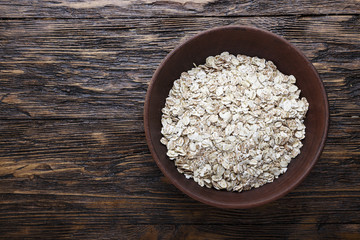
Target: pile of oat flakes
{"x": 234, "y": 123}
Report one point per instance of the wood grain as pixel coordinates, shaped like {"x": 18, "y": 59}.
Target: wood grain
{"x": 100, "y": 69}
{"x": 172, "y": 8}
{"x": 201, "y": 232}
{"x": 73, "y": 157}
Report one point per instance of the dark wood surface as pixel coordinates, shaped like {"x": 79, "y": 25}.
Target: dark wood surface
{"x": 73, "y": 157}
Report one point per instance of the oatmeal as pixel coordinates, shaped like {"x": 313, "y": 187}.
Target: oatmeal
{"x": 233, "y": 123}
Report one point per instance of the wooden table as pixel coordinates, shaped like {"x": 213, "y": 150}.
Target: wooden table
{"x": 73, "y": 158}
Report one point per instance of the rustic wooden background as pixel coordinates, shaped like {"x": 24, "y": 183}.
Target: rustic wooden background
{"x": 73, "y": 158}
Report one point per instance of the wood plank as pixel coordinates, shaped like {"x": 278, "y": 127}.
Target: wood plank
{"x": 172, "y": 8}
{"x": 73, "y": 158}
{"x": 118, "y": 148}
{"x": 89, "y": 213}
{"x": 82, "y": 173}
{"x": 68, "y": 68}
{"x": 193, "y": 232}
{"x": 139, "y": 209}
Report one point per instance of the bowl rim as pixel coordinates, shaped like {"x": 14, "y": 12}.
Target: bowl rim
{"x": 239, "y": 205}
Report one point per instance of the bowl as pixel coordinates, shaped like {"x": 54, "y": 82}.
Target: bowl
{"x": 252, "y": 42}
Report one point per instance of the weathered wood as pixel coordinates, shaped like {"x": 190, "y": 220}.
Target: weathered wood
{"x": 194, "y": 232}
{"x": 100, "y": 68}
{"x": 118, "y": 148}
{"x": 66, "y": 216}
{"x": 101, "y": 171}
{"x": 171, "y": 8}
{"x": 73, "y": 157}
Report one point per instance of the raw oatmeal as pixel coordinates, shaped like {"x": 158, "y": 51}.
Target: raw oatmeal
{"x": 233, "y": 123}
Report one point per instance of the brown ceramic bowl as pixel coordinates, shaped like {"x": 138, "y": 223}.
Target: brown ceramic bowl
{"x": 252, "y": 42}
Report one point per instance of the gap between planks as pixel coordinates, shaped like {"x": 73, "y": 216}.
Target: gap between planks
{"x": 299, "y": 16}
